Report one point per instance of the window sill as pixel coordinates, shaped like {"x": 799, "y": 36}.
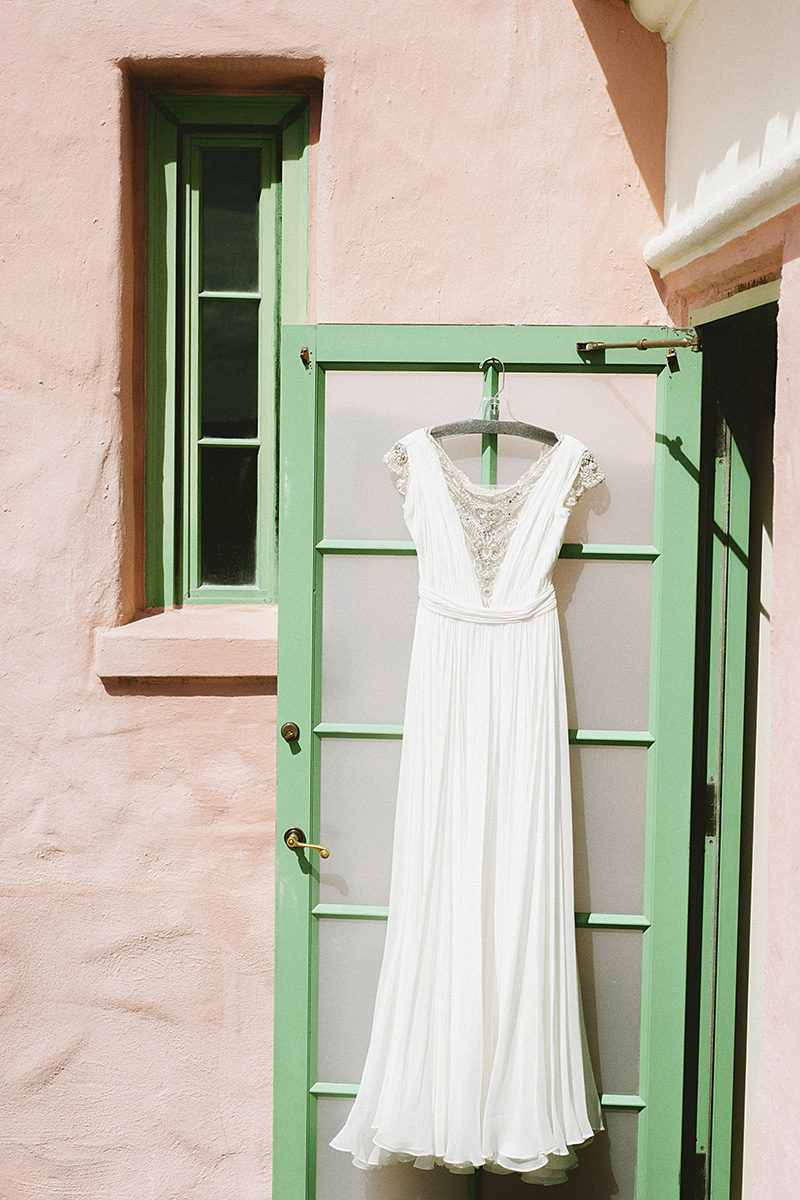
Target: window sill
{"x": 200, "y": 641}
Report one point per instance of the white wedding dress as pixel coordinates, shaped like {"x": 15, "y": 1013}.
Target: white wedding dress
{"x": 478, "y": 1054}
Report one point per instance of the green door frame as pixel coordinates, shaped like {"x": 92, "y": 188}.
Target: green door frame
{"x": 307, "y": 354}
{"x": 738, "y": 398}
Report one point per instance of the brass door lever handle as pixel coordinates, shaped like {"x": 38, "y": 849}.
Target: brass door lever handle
{"x": 296, "y": 840}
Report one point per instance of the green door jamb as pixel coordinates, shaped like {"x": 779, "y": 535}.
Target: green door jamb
{"x": 719, "y": 803}
{"x": 737, "y": 399}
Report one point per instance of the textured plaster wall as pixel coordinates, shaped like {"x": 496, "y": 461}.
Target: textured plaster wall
{"x": 474, "y": 162}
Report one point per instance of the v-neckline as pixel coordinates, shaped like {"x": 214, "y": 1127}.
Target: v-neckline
{"x": 491, "y": 489}
{"x": 488, "y": 533}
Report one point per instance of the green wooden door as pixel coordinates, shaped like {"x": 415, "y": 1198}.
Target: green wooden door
{"x": 627, "y": 587}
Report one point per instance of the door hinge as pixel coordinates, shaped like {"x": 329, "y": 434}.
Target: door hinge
{"x": 711, "y": 809}
{"x": 701, "y": 1176}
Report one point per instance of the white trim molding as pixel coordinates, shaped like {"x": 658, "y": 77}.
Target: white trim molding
{"x": 765, "y": 193}
{"x": 661, "y": 16}
{"x": 743, "y": 301}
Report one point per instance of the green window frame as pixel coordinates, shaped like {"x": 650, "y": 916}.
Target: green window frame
{"x": 180, "y": 130}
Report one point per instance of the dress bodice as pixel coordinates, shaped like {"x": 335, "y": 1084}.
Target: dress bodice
{"x": 487, "y": 548}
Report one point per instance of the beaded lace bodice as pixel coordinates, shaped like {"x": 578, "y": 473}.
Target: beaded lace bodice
{"x": 489, "y": 514}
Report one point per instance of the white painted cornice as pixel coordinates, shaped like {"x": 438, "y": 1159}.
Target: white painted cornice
{"x": 661, "y": 16}
{"x": 765, "y": 193}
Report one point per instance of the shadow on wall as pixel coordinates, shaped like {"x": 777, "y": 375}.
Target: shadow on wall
{"x": 634, "y": 62}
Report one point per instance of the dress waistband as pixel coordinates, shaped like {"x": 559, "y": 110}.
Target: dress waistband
{"x": 544, "y": 602}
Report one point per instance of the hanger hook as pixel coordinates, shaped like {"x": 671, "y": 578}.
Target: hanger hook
{"x": 502, "y": 367}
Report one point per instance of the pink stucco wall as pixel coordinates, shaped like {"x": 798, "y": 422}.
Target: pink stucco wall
{"x": 475, "y": 163}
{"x": 778, "y": 1080}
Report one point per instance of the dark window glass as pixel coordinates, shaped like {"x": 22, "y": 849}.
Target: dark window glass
{"x": 228, "y": 514}
{"x": 231, "y": 190}
{"x": 229, "y": 368}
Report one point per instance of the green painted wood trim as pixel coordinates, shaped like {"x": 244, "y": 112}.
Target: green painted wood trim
{"x": 266, "y": 297}
{"x": 610, "y": 737}
{"x": 333, "y": 730}
{"x": 379, "y": 912}
{"x": 359, "y": 912}
{"x": 621, "y": 1101}
{"x": 206, "y": 295}
{"x": 670, "y": 758}
{"x": 314, "y": 532}
{"x": 218, "y": 441}
{"x": 577, "y": 737}
{"x": 591, "y": 552}
{"x": 532, "y": 349}
{"x": 270, "y": 285}
{"x": 295, "y": 217}
{"x": 352, "y": 546}
{"x": 206, "y": 594}
{"x": 347, "y": 1091}
{"x": 709, "y": 729}
{"x": 586, "y": 920}
{"x": 189, "y": 337}
{"x": 285, "y": 119}
{"x": 337, "y": 1090}
{"x": 730, "y": 784}
{"x": 230, "y": 110}
{"x": 491, "y": 382}
{"x": 571, "y": 550}
{"x": 162, "y": 291}
{"x": 296, "y": 771}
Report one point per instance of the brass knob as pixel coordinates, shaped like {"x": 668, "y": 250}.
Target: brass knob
{"x": 296, "y": 840}
{"x": 290, "y": 732}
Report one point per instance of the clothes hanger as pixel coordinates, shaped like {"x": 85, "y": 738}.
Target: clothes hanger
{"x": 490, "y": 422}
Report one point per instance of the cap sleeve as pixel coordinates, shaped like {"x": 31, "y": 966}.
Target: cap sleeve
{"x": 396, "y": 460}
{"x": 588, "y": 476}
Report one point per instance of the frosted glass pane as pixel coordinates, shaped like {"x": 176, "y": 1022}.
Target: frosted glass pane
{"x": 606, "y": 1168}
{"x": 350, "y": 954}
{"x": 369, "y": 605}
{"x": 368, "y": 611}
{"x": 609, "y": 793}
{"x": 614, "y": 415}
{"x": 366, "y": 411}
{"x": 338, "y": 1179}
{"x": 610, "y": 965}
{"x": 610, "y": 968}
{"x": 358, "y": 789}
{"x": 604, "y": 609}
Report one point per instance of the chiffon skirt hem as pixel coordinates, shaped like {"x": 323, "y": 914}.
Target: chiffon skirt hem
{"x": 546, "y": 1167}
